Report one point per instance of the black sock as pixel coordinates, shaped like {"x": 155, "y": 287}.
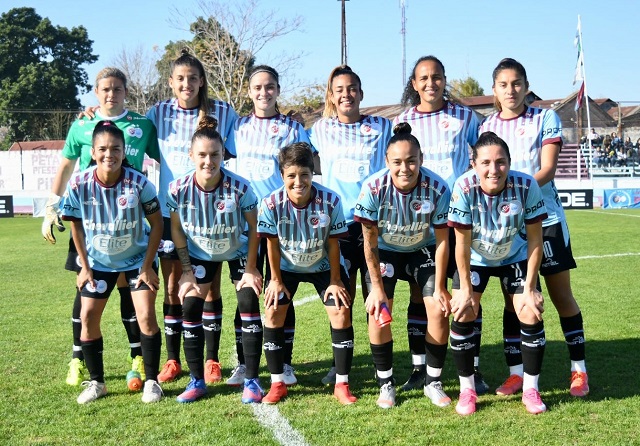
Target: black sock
{"x": 436, "y": 355}
{"x": 212, "y": 324}
{"x": 416, "y": 327}
{"x": 193, "y": 335}
{"x": 130, "y": 321}
{"x": 533, "y": 342}
{"x": 251, "y": 331}
{"x": 173, "y": 330}
{"x": 237, "y": 322}
{"x": 289, "y": 333}
{"x": 92, "y": 351}
{"x": 511, "y": 336}
{"x": 383, "y": 360}
{"x": 342, "y": 342}
{"x": 477, "y": 332}
{"x": 462, "y": 347}
{"x": 573, "y": 331}
{"x": 76, "y": 326}
{"x": 273, "y": 349}
{"x": 151, "y": 347}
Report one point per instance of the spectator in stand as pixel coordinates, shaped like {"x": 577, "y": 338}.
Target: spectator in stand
{"x": 615, "y": 140}
{"x": 595, "y": 139}
{"x": 621, "y": 157}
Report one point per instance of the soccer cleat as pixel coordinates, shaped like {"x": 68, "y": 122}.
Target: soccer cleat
{"x": 134, "y": 380}
{"x": 533, "y": 403}
{"x": 152, "y": 392}
{"x": 77, "y": 372}
{"x": 467, "y": 402}
{"x": 93, "y": 390}
{"x": 435, "y": 393}
{"x": 289, "y": 376}
{"x": 276, "y": 393}
{"x": 170, "y": 371}
{"x": 579, "y": 384}
{"x": 137, "y": 364}
{"x": 330, "y": 377}
{"x": 416, "y": 380}
{"x": 481, "y": 386}
{"x": 195, "y": 389}
{"x": 342, "y": 393}
{"x": 237, "y": 376}
{"x": 387, "y": 398}
{"x": 252, "y": 392}
{"x": 212, "y": 372}
{"x": 513, "y": 384}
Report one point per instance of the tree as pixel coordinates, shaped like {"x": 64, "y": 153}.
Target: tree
{"x": 465, "y": 88}
{"x": 40, "y": 69}
{"x": 227, "y": 39}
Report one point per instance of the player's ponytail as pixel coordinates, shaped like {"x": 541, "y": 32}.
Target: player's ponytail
{"x": 188, "y": 60}
{"x": 330, "y": 110}
{"x": 402, "y": 132}
{"x": 207, "y": 129}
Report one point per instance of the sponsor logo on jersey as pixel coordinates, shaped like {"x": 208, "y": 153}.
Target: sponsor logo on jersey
{"x": 372, "y": 128}
{"x": 449, "y": 125}
{"x": 116, "y": 225}
{"x": 526, "y": 131}
{"x": 491, "y": 251}
{"x": 421, "y": 206}
{"x": 319, "y": 220}
{"x": 226, "y": 205}
{"x": 111, "y": 245}
{"x": 402, "y": 240}
{"x": 212, "y": 246}
{"x": 304, "y": 259}
{"x": 208, "y": 230}
{"x": 508, "y": 208}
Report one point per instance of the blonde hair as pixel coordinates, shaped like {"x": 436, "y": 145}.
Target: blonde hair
{"x": 108, "y": 72}
{"x": 330, "y": 110}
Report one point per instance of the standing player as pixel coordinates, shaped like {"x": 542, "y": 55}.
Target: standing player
{"x": 107, "y": 205}
{"x": 302, "y": 222}
{"x": 534, "y": 136}
{"x": 446, "y": 132}
{"x": 176, "y": 120}
{"x": 140, "y": 139}
{"x": 351, "y": 147}
{"x": 209, "y": 212}
{"x": 403, "y": 211}
{"x": 256, "y": 142}
{"x": 491, "y": 207}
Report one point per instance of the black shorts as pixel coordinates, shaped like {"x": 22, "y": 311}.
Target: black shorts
{"x": 106, "y": 282}
{"x": 204, "y": 270}
{"x": 319, "y": 280}
{"x": 352, "y": 249}
{"x": 413, "y": 267}
{"x": 167, "y": 250}
{"x": 557, "y": 255}
{"x": 73, "y": 261}
{"x": 512, "y": 277}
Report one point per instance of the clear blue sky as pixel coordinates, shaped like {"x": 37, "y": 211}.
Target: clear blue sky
{"x": 470, "y": 39}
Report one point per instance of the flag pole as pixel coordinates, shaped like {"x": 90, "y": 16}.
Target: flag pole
{"x": 586, "y": 96}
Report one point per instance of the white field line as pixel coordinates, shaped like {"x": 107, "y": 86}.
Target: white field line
{"x": 270, "y": 417}
{"x": 613, "y": 213}
{"x": 624, "y": 254}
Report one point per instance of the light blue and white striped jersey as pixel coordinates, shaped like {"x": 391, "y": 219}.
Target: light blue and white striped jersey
{"x": 349, "y": 153}
{"x": 256, "y": 143}
{"x": 213, "y": 221}
{"x": 303, "y": 232}
{"x": 113, "y": 217}
{"x": 176, "y": 126}
{"x": 405, "y": 220}
{"x": 445, "y": 138}
{"x": 497, "y": 222}
{"x": 525, "y": 135}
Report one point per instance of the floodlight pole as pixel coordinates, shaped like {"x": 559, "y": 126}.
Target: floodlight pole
{"x": 343, "y": 56}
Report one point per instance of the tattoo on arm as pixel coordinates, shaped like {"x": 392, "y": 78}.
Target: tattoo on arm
{"x": 183, "y": 255}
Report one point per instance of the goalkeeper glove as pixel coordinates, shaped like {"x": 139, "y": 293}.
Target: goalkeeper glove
{"x": 51, "y": 218}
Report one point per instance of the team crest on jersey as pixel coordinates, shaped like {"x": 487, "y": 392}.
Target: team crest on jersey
{"x": 526, "y": 131}
{"x": 465, "y": 190}
{"x": 128, "y": 201}
{"x": 129, "y": 118}
{"x": 227, "y": 205}
{"x": 226, "y": 184}
{"x": 510, "y": 207}
{"x": 449, "y": 125}
{"x": 372, "y": 128}
{"x": 386, "y": 269}
{"x": 422, "y": 206}
{"x": 319, "y": 220}
{"x": 134, "y": 132}
{"x": 81, "y": 122}
{"x": 318, "y": 200}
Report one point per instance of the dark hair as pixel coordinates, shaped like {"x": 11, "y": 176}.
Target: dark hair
{"x": 207, "y": 129}
{"x": 410, "y": 97}
{"x": 296, "y": 154}
{"x": 269, "y": 70}
{"x": 330, "y": 110}
{"x": 187, "y": 60}
{"x": 110, "y": 128}
{"x": 489, "y": 139}
{"x": 402, "y": 132}
{"x": 508, "y": 64}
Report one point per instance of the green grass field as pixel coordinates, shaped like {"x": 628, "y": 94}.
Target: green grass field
{"x": 37, "y": 407}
